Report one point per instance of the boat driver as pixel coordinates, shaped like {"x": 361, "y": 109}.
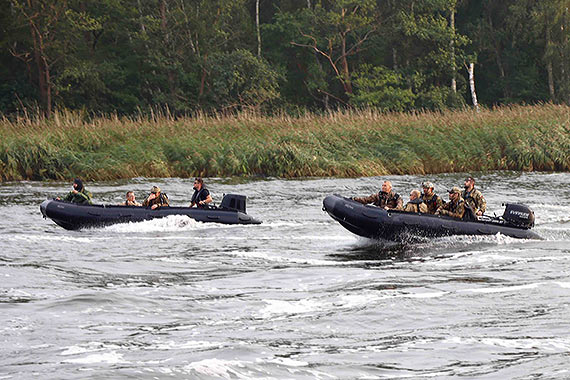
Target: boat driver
{"x": 78, "y": 194}
{"x": 386, "y": 198}
{"x": 201, "y": 196}
{"x": 473, "y": 197}
{"x": 432, "y": 200}
{"x": 156, "y": 199}
{"x": 455, "y": 207}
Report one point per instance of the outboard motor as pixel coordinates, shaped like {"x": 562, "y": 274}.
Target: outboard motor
{"x": 518, "y": 215}
{"x": 233, "y": 202}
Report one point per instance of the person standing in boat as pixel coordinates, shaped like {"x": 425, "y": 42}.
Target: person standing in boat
{"x": 456, "y": 205}
{"x": 416, "y": 204}
{"x": 201, "y": 196}
{"x": 131, "y": 200}
{"x": 386, "y": 198}
{"x": 432, "y": 200}
{"x": 473, "y": 197}
{"x": 156, "y": 199}
{"x": 79, "y": 194}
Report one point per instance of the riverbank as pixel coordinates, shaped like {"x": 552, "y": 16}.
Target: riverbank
{"x": 343, "y": 144}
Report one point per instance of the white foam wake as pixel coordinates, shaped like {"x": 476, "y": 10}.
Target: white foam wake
{"x": 171, "y": 223}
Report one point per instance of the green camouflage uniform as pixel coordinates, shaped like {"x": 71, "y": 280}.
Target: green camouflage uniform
{"x": 433, "y": 202}
{"x": 417, "y": 205}
{"x": 453, "y": 209}
{"x": 81, "y": 197}
{"x": 161, "y": 200}
{"x": 391, "y": 199}
{"x": 475, "y": 200}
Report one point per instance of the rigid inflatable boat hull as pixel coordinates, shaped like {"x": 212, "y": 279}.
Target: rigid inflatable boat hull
{"x": 376, "y": 223}
{"x": 73, "y": 216}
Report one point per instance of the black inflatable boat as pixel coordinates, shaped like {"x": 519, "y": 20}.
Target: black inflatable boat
{"x": 73, "y": 216}
{"x": 376, "y": 223}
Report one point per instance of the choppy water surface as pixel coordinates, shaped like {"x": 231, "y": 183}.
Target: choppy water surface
{"x": 296, "y": 297}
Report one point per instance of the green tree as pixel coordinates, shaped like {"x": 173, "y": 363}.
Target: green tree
{"x": 336, "y": 32}
{"x": 380, "y": 87}
{"x": 239, "y": 79}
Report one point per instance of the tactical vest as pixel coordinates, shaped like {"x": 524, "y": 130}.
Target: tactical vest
{"x": 390, "y": 201}
{"x": 472, "y": 202}
{"x": 456, "y": 205}
{"x": 431, "y": 203}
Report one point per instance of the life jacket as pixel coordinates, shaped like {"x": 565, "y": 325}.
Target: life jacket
{"x": 388, "y": 198}
{"x": 196, "y": 196}
{"x": 162, "y": 200}
{"x": 417, "y": 202}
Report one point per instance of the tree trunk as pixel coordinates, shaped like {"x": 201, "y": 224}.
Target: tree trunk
{"x": 171, "y": 76}
{"x": 452, "y": 47}
{"x": 471, "y": 70}
{"x": 550, "y": 80}
{"x": 257, "y": 27}
{"x": 394, "y": 58}
{"x": 204, "y": 74}
{"x": 42, "y": 67}
{"x": 345, "y": 70}
{"x": 547, "y": 56}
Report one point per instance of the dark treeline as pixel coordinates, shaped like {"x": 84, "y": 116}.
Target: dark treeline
{"x": 124, "y": 56}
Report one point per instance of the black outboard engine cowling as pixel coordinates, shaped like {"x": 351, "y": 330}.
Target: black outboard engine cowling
{"x": 518, "y": 215}
{"x": 233, "y": 202}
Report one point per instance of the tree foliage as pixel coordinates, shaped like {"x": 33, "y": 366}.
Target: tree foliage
{"x": 125, "y": 56}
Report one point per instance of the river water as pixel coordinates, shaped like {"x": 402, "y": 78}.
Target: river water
{"x": 296, "y": 297}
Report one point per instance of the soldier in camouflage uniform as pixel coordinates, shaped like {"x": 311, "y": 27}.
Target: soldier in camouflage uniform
{"x": 455, "y": 207}
{"x": 416, "y": 204}
{"x": 386, "y": 199}
{"x": 473, "y": 197}
{"x": 156, "y": 199}
{"x": 432, "y": 200}
{"x": 79, "y": 194}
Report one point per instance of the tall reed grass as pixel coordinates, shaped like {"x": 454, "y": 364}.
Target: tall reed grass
{"x": 342, "y": 143}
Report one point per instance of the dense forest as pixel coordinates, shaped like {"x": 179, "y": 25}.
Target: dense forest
{"x": 184, "y": 56}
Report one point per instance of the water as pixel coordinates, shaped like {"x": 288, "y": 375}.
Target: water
{"x": 296, "y": 297}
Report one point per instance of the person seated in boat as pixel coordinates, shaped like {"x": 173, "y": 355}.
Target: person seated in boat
{"x": 201, "y": 197}
{"x": 131, "y": 200}
{"x": 386, "y": 198}
{"x": 78, "y": 194}
{"x": 156, "y": 199}
{"x": 473, "y": 197}
{"x": 416, "y": 204}
{"x": 432, "y": 200}
{"x": 456, "y": 205}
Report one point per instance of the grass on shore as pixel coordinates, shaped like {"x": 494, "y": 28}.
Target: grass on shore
{"x": 343, "y": 144}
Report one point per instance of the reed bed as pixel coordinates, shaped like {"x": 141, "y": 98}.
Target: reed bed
{"x": 341, "y": 143}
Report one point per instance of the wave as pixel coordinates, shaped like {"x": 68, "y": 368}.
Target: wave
{"x": 168, "y": 224}
{"x": 560, "y": 345}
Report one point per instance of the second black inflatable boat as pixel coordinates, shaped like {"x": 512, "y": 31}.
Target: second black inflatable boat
{"x": 376, "y": 223}
{"x": 73, "y": 216}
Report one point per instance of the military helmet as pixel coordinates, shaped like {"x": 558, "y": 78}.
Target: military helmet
{"x": 454, "y": 189}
